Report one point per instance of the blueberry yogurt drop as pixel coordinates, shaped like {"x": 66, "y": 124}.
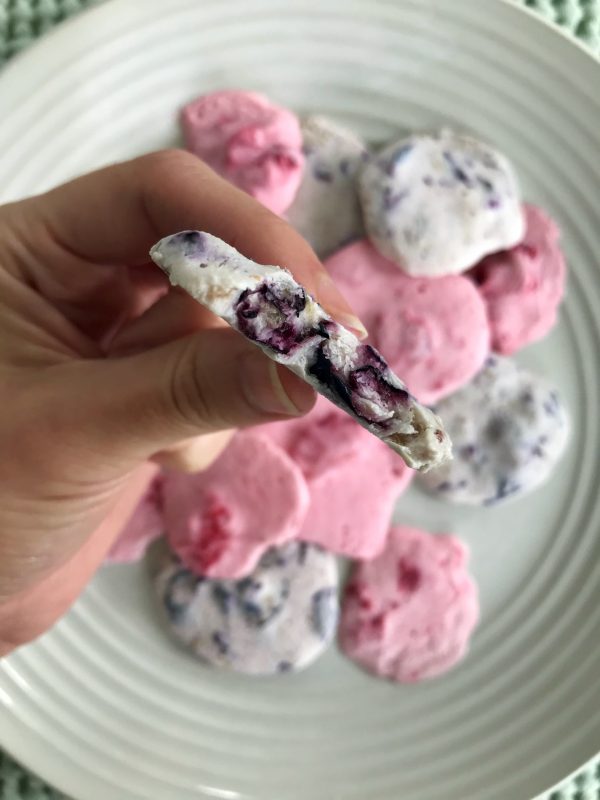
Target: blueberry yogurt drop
{"x": 509, "y": 428}
{"x": 279, "y": 618}
{"x": 266, "y": 305}
{"x": 435, "y": 205}
{"x": 326, "y": 209}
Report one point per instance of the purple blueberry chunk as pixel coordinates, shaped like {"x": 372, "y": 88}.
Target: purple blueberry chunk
{"x": 180, "y": 589}
{"x": 496, "y": 428}
{"x": 391, "y": 200}
{"x": 222, "y": 598}
{"x": 288, "y": 332}
{"x": 345, "y": 167}
{"x": 220, "y": 642}
{"x": 506, "y": 487}
{"x": 527, "y": 397}
{"x": 552, "y": 404}
{"x": 302, "y": 552}
{"x": 489, "y": 161}
{"x": 458, "y": 172}
{"x": 323, "y": 612}
{"x": 364, "y": 382}
{"x": 322, "y": 369}
{"x": 397, "y": 156}
{"x": 323, "y": 174}
{"x": 369, "y": 379}
{"x": 256, "y": 609}
{"x": 194, "y": 242}
{"x": 273, "y": 558}
{"x": 485, "y": 183}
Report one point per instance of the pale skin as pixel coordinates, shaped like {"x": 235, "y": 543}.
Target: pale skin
{"x": 105, "y": 371}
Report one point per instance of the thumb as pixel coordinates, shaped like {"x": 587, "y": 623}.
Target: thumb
{"x": 135, "y": 406}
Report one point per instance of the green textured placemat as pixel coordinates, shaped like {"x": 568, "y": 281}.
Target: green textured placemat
{"x": 23, "y": 21}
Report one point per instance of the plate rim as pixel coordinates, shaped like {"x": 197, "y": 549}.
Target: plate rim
{"x": 54, "y": 50}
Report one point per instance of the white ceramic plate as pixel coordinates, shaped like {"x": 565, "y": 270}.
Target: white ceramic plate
{"x": 103, "y": 706}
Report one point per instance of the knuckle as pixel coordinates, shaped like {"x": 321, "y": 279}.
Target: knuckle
{"x": 188, "y": 395}
{"x": 163, "y": 162}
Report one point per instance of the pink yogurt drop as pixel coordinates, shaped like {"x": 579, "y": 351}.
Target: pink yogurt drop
{"x": 523, "y": 286}
{"x": 221, "y": 520}
{"x": 353, "y": 480}
{"x": 251, "y": 142}
{"x": 408, "y": 614}
{"x": 433, "y": 332}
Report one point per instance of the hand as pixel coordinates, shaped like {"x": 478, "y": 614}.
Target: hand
{"x": 104, "y": 368}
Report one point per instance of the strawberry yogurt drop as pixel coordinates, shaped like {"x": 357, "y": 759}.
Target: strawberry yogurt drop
{"x": 523, "y": 287}
{"x": 434, "y": 331}
{"x": 408, "y": 615}
{"x": 251, "y": 142}
{"x": 353, "y": 480}
{"x": 221, "y": 520}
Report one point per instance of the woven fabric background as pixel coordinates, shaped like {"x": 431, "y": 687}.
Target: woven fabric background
{"x": 23, "y": 21}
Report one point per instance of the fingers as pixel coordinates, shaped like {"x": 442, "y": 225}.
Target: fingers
{"x": 41, "y": 602}
{"x": 116, "y": 214}
{"x": 174, "y": 316}
{"x": 127, "y": 409}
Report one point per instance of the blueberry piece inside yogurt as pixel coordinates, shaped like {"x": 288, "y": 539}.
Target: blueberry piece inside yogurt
{"x": 180, "y": 591}
{"x": 260, "y": 601}
{"x": 362, "y": 387}
{"x": 271, "y": 315}
{"x": 194, "y": 243}
{"x": 322, "y": 369}
{"x": 323, "y": 612}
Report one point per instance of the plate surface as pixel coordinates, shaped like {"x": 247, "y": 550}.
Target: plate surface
{"x": 103, "y": 706}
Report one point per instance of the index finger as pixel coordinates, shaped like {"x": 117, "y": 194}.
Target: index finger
{"x": 116, "y": 214}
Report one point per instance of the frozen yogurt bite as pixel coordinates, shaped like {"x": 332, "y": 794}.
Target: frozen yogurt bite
{"x": 510, "y": 428}
{"x": 326, "y": 209}
{"x": 408, "y": 615}
{"x": 267, "y": 306}
{"x": 254, "y": 143}
{"x": 279, "y": 618}
{"x": 436, "y": 204}
{"x": 220, "y": 521}
{"x": 523, "y": 287}
{"x": 434, "y": 331}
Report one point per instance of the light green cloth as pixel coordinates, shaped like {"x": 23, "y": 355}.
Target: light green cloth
{"x": 579, "y": 17}
{"x": 23, "y": 21}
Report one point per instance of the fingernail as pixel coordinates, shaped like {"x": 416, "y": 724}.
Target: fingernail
{"x": 330, "y": 296}
{"x": 273, "y": 389}
{"x": 352, "y": 322}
